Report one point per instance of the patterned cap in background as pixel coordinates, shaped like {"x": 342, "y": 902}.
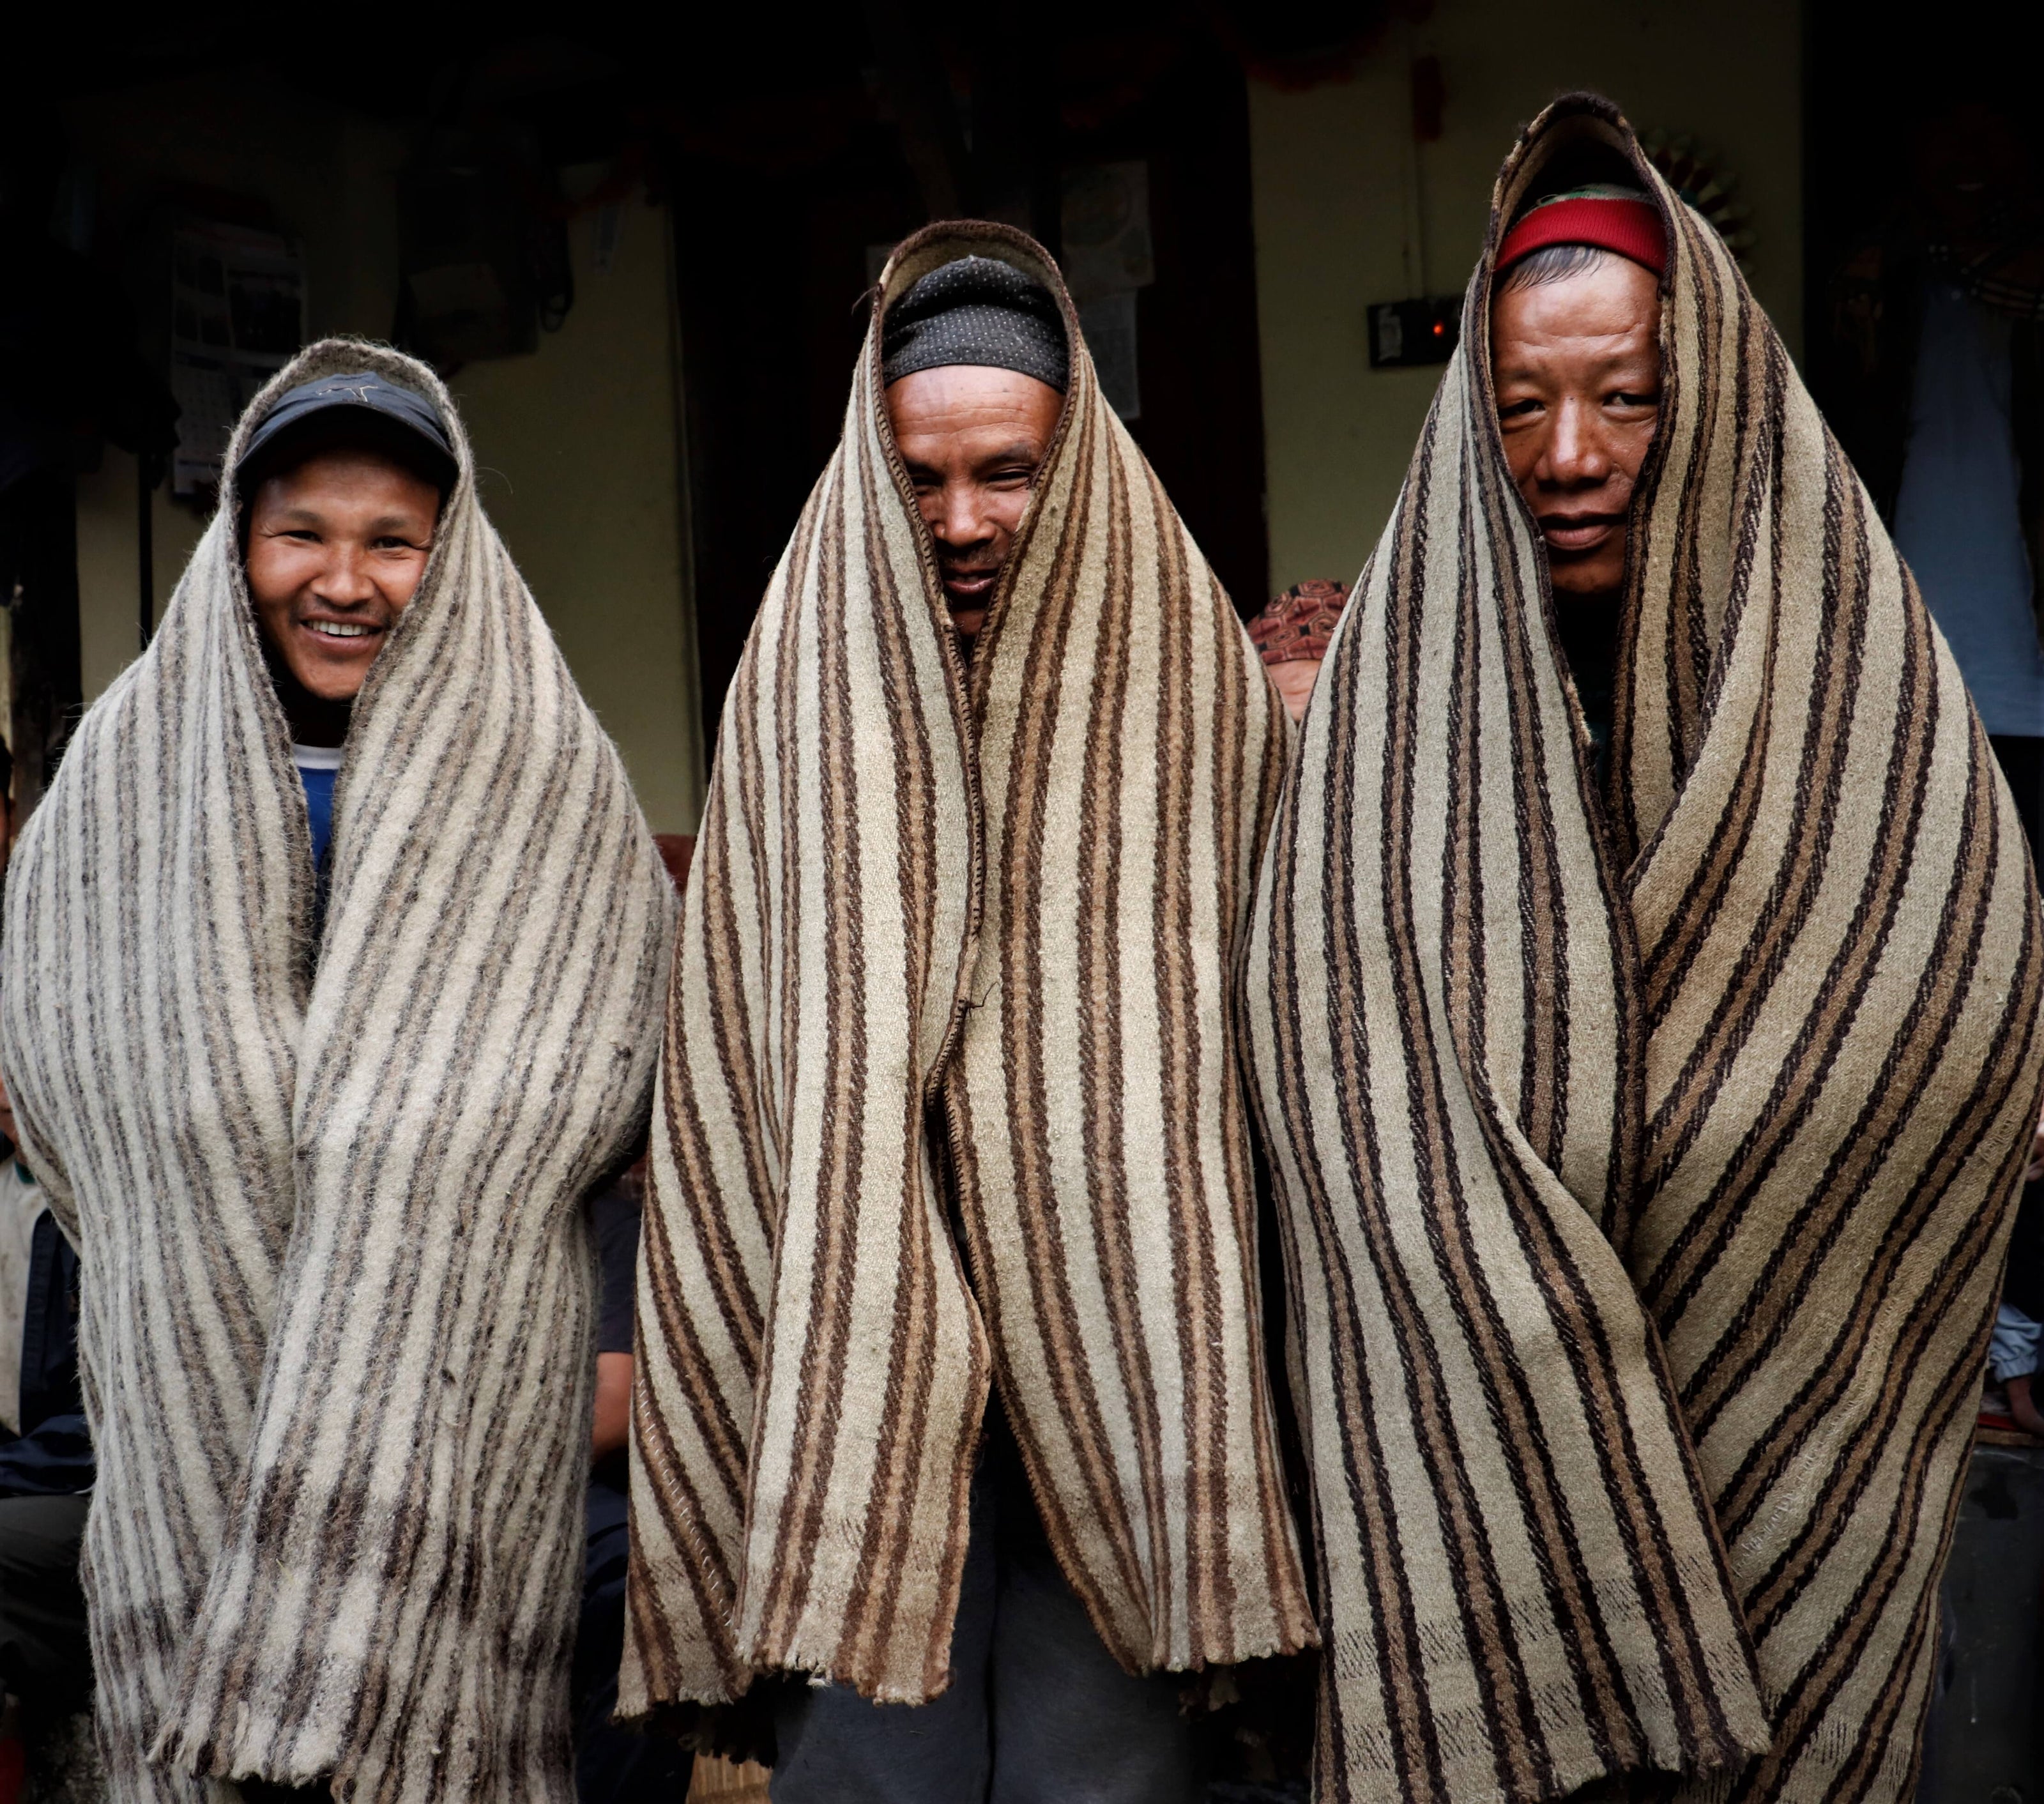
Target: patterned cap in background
{"x": 1298, "y": 624}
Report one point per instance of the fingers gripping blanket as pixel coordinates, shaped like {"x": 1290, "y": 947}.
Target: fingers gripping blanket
{"x": 982, "y": 921}
{"x": 1646, "y": 1156}
{"x": 338, "y": 1292}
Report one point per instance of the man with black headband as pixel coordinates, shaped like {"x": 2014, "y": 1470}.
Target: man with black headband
{"x": 975, "y": 365}
{"x": 329, "y": 988}
{"x": 952, "y": 1421}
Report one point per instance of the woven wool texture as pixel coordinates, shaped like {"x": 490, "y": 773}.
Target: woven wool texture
{"x": 1645, "y": 1160}
{"x": 986, "y": 918}
{"x": 339, "y": 1294}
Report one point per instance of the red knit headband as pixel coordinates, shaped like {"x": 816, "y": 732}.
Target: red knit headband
{"x": 1632, "y": 228}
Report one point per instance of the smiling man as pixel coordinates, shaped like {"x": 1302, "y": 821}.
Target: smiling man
{"x": 344, "y": 483}
{"x": 329, "y": 986}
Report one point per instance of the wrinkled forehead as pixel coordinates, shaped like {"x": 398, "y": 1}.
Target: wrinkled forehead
{"x": 961, "y": 421}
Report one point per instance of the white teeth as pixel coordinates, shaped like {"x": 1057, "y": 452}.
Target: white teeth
{"x": 339, "y": 630}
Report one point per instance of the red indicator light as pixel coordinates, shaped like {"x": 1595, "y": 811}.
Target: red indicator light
{"x": 1439, "y": 329}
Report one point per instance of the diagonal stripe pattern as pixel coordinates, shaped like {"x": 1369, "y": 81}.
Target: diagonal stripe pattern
{"x": 1645, "y": 1157}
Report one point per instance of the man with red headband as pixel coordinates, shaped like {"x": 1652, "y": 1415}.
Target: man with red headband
{"x": 1575, "y": 358}
{"x": 1642, "y": 1000}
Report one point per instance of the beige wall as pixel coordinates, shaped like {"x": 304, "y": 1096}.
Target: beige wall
{"x": 1341, "y": 221}
{"x": 576, "y": 449}
{"x": 578, "y": 445}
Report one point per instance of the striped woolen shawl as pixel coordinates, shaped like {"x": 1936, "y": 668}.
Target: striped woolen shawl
{"x": 339, "y": 1293}
{"x": 1645, "y": 1156}
{"x": 974, "y": 921}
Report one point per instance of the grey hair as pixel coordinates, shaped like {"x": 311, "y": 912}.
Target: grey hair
{"x": 1552, "y": 263}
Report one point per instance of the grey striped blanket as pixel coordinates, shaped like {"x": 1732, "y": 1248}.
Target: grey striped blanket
{"x": 338, "y": 1291}
{"x": 970, "y": 930}
{"x": 1645, "y": 1157}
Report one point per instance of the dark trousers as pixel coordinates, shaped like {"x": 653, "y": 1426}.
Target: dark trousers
{"x": 613, "y": 1765}
{"x": 1037, "y": 1713}
{"x": 45, "y": 1658}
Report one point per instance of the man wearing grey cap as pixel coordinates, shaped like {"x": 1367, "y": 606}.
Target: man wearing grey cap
{"x": 329, "y": 986}
{"x": 952, "y": 1424}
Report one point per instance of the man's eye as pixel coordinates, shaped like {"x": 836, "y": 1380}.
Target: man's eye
{"x": 1508, "y": 409}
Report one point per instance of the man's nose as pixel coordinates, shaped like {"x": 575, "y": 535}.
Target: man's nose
{"x": 345, "y": 582}
{"x": 958, "y": 522}
{"x": 1576, "y": 454}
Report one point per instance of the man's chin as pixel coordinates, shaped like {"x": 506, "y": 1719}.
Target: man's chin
{"x": 333, "y": 679}
{"x": 1594, "y": 579}
{"x": 968, "y": 620}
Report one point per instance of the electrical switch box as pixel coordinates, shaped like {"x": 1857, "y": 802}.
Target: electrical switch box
{"x": 1403, "y": 333}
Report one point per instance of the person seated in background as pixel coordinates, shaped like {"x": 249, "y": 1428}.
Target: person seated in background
{"x": 1292, "y": 633}
{"x": 46, "y": 1469}
{"x": 2019, "y": 1321}
{"x": 2012, "y": 1364}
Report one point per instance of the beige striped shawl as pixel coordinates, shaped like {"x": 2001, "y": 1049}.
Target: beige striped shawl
{"x": 994, "y": 908}
{"x": 339, "y": 1294}
{"x": 1608, "y": 1131}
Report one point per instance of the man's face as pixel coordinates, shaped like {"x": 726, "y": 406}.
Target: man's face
{"x": 973, "y": 439}
{"x": 336, "y": 546}
{"x": 1577, "y": 366}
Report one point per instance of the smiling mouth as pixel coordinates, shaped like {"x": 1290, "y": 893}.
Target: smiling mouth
{"x": 341, "y": 629}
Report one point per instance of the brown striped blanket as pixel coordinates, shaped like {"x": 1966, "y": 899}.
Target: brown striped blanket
{"x": 1645, "y": 1157}
{"x": 965, "y": 931}
{"x": 339, "y": 1294}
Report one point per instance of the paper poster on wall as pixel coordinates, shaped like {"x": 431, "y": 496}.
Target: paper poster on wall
{"x": 1105, "y": 223}
{"x": 237, "y": 316}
